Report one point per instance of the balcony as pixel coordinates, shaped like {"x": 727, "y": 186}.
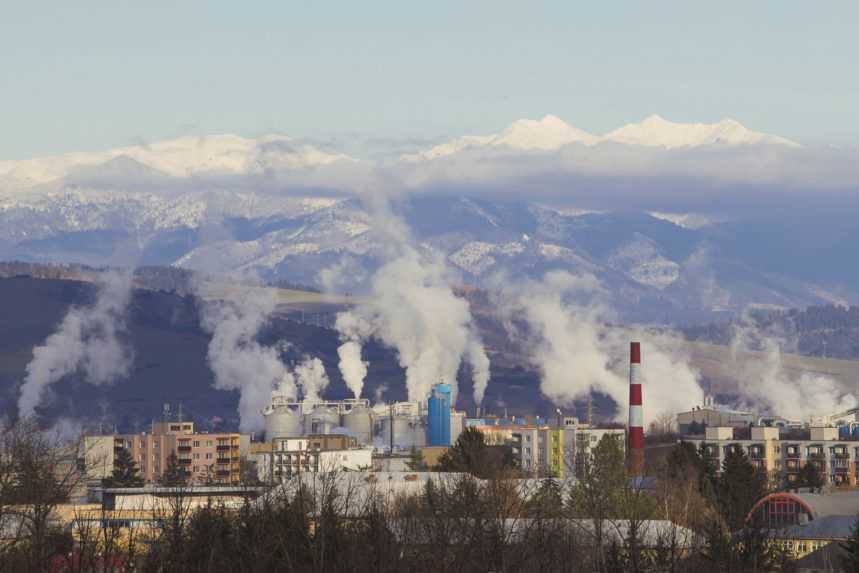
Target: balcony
{"x": 222, "y": 473}
{"x": 184, "y": 449}
{"x": 791, "y": 454}
{"x": 842, "y": 456}
{"x": 816, "y": 455}
{"x": 223, "y": 448}
{"x": 184, "y": 461}
{"x": 224, "y": 460}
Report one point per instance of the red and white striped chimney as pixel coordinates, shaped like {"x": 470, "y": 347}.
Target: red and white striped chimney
{"x": 635, "y": 443}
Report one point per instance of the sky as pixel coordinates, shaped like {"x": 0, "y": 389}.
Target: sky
{"x": 88, "y": 76}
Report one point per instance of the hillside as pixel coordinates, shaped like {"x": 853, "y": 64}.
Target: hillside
{"x": 170, "y": 359}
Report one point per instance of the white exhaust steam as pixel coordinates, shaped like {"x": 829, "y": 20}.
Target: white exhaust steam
{"x": 89, "y": 339}
{"x": 766, "y": 382}
{"x": 353, "y": 369}
{"x": 312, "y": 378}
{"x": 241, "y": 363}
{"x": 413, "y": 309}
{"x": 563, "y": 325}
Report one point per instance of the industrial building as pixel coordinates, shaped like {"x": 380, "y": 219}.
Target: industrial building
{"x": 399, "y": 426}
{"x": 205, "y": 458}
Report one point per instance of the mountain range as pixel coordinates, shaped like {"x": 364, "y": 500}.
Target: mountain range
{"x": 286, "y": 209}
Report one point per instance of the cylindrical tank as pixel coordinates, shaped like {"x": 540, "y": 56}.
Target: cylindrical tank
{"x": 321, "y": 420}
{"x": 359, "y": 422}
{"x": 281, "y": 422}
{"x": 403, "y": 433}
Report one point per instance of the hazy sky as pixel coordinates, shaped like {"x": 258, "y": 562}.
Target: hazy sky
{"x": 90, "y": 75}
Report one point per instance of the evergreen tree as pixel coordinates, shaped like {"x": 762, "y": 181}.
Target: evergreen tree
{"x": 739, "y": 487}
{"x": 174, "y": 475}
{"x": 850, "y": 553}
{"x": 125, "y": 472}
{"x": 472, "y": 455}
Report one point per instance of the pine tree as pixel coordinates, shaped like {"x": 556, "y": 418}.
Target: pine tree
{"x": 125, "y": 472}
{"x": 739, "y": 487}
{"x": 850, "y": 555}
{"x": 173, "y": 476}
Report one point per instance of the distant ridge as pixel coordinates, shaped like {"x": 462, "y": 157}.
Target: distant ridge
{"x": 551, "y": 133}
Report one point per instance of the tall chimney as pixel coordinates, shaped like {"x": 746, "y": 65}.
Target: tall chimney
{"x": 635, "y": 442}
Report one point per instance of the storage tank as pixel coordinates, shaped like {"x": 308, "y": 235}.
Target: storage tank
{"x": 321, "y": 420}
{"x": 282, "y": 422}
{"x": 359, "y": 422}
{"x": 438, "y": 418}
{"x": 403, "y": 437}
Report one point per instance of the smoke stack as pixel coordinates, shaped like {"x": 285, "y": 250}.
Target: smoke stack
{"x": 635, "y": 443}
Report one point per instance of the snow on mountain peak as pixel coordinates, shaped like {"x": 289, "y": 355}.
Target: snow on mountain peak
{"x": 552, "y": 133}
{"x": 547, "y": 134}
{"x": 180, "y": 157}
{"x": 656, "y": 131}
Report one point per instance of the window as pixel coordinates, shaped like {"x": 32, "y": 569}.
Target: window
{"x": 196, "y": 443}
{"x": 174, "y": 428}
{"x": 209, "y": 443}
{"x": 209, "y": 456}
{"x": 196, "y": 456}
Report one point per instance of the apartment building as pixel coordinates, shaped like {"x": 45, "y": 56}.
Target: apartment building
{"x": 557, "y": 451}
{"x": 292, "y": 456}
{"x": 781, "y": 459}
{"x": 206, "y": 458}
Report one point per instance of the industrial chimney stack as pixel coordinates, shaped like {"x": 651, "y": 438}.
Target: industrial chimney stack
{"x": 635, "y": 442}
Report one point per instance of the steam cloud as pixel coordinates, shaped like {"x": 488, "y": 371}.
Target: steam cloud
{"x": 413, "y": 309}
{"x": 241, "y": 363}
{"x": 312, "y": 378}
{"x": 353, "y": 369}
{"x": 766, "y": 382}
{"x": 564, "y": 327}
{"x": 89, "y": 339}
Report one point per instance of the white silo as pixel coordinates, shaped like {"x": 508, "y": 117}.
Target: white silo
{"x": 282, "y": 422}
{"x": 359, "y": 422}
{"x": 321, "y": 420}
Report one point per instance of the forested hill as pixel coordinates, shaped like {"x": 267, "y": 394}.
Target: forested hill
{"x": 829, "y": 331}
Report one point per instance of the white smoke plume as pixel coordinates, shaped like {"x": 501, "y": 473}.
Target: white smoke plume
{"x": 766, "y": 382}
{"x": 353, "y": 369}
{"x": 89, "y": 340}
{"x": 312, "y": 378}
{"x": 239, "y": 361}
{"x": 563, "y": 325}
{"x": 413, "y": 309}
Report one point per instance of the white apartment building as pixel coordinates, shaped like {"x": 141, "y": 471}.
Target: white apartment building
{"x": 291, "y": 456}
{"x": 783, "y": 459}
{"x": 548, "y": 450}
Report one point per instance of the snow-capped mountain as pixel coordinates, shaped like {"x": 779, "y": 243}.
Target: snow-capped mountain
{"x": 283, "y": 209}
{"x": 552, "y": 133}
{"x": 658, "y": 132}
{"x": 179, "y": 158}
{"x": 547, "y": 134}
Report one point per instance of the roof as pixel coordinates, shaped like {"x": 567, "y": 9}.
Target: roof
{"x": 835, "y": 503}
{"x": 819, "y": 505}
{"x": 829, "y": 527}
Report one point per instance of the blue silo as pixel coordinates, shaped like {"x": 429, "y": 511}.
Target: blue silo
{"x": 438, "y": 417}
